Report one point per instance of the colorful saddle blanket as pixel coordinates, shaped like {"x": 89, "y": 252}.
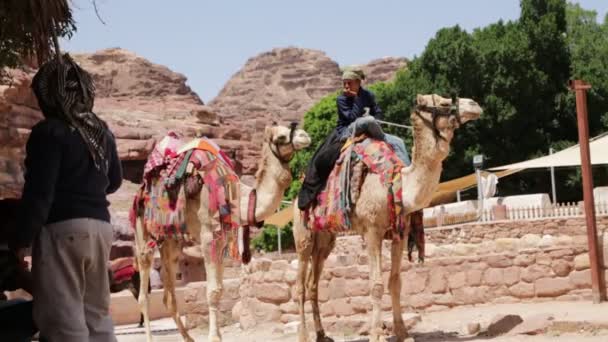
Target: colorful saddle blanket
{"x": 334, "y": 203}
{"x": 161, "y": 201}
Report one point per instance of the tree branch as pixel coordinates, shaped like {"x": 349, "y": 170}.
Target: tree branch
{"x": 94, "y": 2}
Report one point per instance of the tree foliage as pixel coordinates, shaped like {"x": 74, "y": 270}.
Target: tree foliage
{"x": 27, "y": 29}
{"x": 518, "y": 71}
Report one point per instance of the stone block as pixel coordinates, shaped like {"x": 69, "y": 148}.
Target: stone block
{"x": 534, "y": 325}
{"x": 543, "y": 259}
{"x": 471, "y": 295}
{"x": 291, "y": 276}
{"x": 552, "y": 287}
{"x": 506, "y": 244}
{"x": 529, "y": 241}
{"x": 581, "y": 262}
{"x": 534, "y": 272}
{"x": 457, "y": 280}
{"x": 341, "y": 307}
{"x": 274, "y": 276}
{"x": 524, "y": 260}
{"x": 361, "y": 304}
{"x": 561, "y": 268}
{"x": 337, "y": 287}
{"x": 281, "y": 265}
{"x": 581, "y": 279}
{"x": 272, "y": 293}
{"x": 511, "y": 275}
{"x": 499, "y": 261}
{"x": 474, "y": 277}
{"x": 357, "y": 287}
{"x": 414, "y": 282}
{"x": 502, "y": 324}
{"x": 522, "y": 290}
{"x": 290, "y": 307}
{"x": 493, "y": 276}
{"x": 437, "y": 281}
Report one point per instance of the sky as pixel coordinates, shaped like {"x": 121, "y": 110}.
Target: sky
{"x": 209, "y": 41}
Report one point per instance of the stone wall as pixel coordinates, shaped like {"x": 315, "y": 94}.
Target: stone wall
{"x": 479, "y": 232}
{"x": 507, "y": 262}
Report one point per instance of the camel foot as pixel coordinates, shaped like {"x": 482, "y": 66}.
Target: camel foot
{"x": 379, "y": 335}
{"x": 400, "y": 332}
{"x": 214, "y": 338}
{"x": 321, "y": 337}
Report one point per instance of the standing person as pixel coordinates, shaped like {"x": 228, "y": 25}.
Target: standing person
{"x": 71, "y": 165}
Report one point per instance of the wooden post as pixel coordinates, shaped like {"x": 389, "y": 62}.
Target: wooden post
{"x": 580, "y": 88}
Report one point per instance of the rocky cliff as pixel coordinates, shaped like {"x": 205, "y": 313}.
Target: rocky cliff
{"x": 280, "y": 86}
{"x": 141, "y": 101}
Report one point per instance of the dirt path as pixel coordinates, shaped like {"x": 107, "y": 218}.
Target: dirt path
{"x": 572, "y": 321}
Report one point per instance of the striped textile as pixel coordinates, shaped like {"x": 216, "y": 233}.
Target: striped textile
{"x": 332, "y": 209}
{"x": 65, "y": 90}
{"x": 161, "y": 200}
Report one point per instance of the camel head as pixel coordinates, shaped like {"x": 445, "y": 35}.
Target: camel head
{"x": 284, "y": 142}
{"x": 436, "y": 118}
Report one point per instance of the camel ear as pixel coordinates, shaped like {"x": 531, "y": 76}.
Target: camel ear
{"x": 420, "y": 100}
{"x": 268, "y": 134}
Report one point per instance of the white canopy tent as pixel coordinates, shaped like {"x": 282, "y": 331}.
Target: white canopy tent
{"x": 568, "y": 157}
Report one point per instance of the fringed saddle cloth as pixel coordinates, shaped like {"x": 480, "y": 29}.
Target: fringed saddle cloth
{"x": 334, "y": 203}
{"x": 176, "y": 171}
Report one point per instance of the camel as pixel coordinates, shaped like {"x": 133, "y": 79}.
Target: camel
{"x": 272, "y": 179}
{"x": 434, "y": 121}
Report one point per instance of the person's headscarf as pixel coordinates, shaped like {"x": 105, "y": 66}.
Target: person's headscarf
{"x": 353, "y": 73}
{"x": 66, "y": 91}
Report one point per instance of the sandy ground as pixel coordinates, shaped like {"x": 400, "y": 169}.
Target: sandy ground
{"x": 573, "y": 321}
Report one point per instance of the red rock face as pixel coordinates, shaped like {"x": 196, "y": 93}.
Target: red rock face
{"x": 142, "y": 101}
{"x": 281, "y": 86}
{"x": 18, "y": 113}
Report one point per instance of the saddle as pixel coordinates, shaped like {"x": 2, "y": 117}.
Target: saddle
{"x": 176, "y": 171}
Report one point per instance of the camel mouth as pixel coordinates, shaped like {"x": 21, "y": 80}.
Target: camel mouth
{"x": 301, "y": 140}
{"x": 469, "y": 110}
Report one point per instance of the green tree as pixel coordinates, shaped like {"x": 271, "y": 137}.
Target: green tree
{"x": 518, "y": 71}
{"x": 27, "y": 29}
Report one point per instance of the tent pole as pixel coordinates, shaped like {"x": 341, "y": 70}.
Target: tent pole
{"x": 580, "y": 87}
{"x": 479, "y": 194}
{"x": 553, "y": 193}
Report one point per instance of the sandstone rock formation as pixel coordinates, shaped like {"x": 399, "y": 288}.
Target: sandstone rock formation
{"x": 141, "y": 101}
{"x": 281, "y": 85}
{"x": 18, "y": 113}
{"x": 383, "y": 69}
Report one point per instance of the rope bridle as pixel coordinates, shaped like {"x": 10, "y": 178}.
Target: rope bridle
{"x": 437, "y": 112}
{"x": 275, "y": 147}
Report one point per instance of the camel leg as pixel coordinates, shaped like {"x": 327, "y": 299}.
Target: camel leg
{"x": 374, "y": 250}
{"x": 143, "y": 257}
{"x": 324, "y": 243}
{"x": 303, "y": 239}
{"x": 303, "y": 260}
{"x": 169, "y": 253}
{"x": 215, "y": 289}
{"x": 394, "y": 285}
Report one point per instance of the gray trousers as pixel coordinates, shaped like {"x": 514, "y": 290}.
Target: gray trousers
{"x": 71, "y": 284}
{"x": 369, "y": 125}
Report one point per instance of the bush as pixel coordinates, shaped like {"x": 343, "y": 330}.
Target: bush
{"x": 268, "y": 240}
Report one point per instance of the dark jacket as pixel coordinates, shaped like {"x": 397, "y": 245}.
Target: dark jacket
{"x": 61, "y": 180}
{"x": 351, "y": 108}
